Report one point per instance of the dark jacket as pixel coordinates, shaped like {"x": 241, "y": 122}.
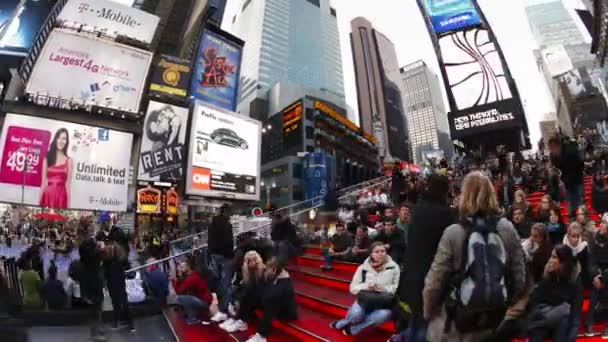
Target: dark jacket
{"x": 428, "y": 221}
{"x": 598, "y": 249}
{"x": 284, "y": 231}
{"x": 114, "y": 272}
{"x": 553, "y": 290}
{"x": 599, "y": 198}
{"x": 53, "y": 294}
{"x": 539, "y": 260}
{"x": 523, "y": 229}
{"x": 221, "y": 240}
{"x": 396, "y": 241}
{"x": 158, "y": 283}
{"x": 570, "y": 164}
{"x": 281, "y": 292}
{"x": 89, "y": 272}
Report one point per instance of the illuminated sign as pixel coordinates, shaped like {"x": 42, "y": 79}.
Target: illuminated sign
{"x": 171, "y": 76}
{"x": 172, "y": 202}
{"x": 148, "y": 200}
{"x": 341, "y": 119}
{"x": 292, "y": 124}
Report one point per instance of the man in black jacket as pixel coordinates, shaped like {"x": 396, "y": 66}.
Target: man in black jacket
{"x": 221, "y": 249}
{"x": 430, "y": 218}
{"x": 284, "y": 238}
{"x": 393, "y": 239}
{"x": 566, "y": 157}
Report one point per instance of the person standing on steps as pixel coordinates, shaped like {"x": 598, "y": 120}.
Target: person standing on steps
{"x": 221, "y": 250}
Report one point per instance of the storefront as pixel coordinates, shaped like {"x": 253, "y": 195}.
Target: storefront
{"x": 158, "y": 208}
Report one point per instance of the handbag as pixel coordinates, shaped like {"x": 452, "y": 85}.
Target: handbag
{"x": 373, "y": 300}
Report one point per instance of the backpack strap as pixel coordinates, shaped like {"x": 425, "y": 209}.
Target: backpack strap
{"x": 363, "y": 276}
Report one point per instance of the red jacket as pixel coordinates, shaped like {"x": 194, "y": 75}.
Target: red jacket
{"x": 193, "y": 285}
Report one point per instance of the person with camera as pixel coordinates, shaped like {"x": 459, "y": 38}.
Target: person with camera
{"x": 375, "y": 284}
{"x": 598, "y": 249}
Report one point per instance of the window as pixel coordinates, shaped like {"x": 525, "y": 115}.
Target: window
{"x": 315, "y": 2}
{"x": 297, "y": 194}
{"x": 297, "y": 171}
{"x": 245, "y": 5}
{"x": 310, "y": 114}
{"x": 332, "y": 11}
{"x": 310, "y": 132}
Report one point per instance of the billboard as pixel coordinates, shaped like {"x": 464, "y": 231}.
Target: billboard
{"x": 488, "y": 117}
{"x": 162, "y": 144}
{"x": 170, "y": 77}
{"x": 109, "y": 17}
{"x": 292, "y": 124}
{"x": 557, "y": 60}
{"x": 225, "y": 153}
{"x": 149, "y": 200}
{"x": 474, "y": 69}
{"x": 450, "y": 15}
{"x": 63, "y": 165}
{"x": 216, "y": 71}
{"x": 20, "y": 21}
{"x": 90, "y": 71}
{"x": 579, "y": 83}
{"x": 318, "y": 176}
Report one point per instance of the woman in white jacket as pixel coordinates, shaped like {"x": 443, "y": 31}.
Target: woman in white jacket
{"x": 379, "y": 273}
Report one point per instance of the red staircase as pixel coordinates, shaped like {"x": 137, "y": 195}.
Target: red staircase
{"x": 535, "y": 198}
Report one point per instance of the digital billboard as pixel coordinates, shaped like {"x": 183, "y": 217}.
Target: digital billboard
{"x": 216, "y": 70}
{"x": 20, "y": 21}
{"x": 292, "y": 124}
{"x": 225, "y": 153}
{"x": 318, "y": 176}
{"x": 488, "y": 117}
{"x": 90, "y": 71}
{"x": 111, "y": 18}
{"x": 170, "y": 77}
{"x": 63, "y": 165}
{"x": 162, "y": 144}
{"x": 450, "y": 15}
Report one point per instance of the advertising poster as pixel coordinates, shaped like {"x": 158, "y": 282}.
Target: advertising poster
{"x": 216, "y": 71}
{"x": 490, "y": 117}
{"x": 110, "y": 17}
{"x": 100, "y": 73}
{"x": 557, "y": 60}
{"x": 450, "y": 15}
{"x": 63, "y": 165}
{"x": 225, "y": 153}
{"x": 170, "y": 77}
{"x": 162, "y": 145}
{"x": 318, "y": 176}
{"x": 20, "y": 21}
{"x": 292, "y": 124}
{"x": 149, "y": 200}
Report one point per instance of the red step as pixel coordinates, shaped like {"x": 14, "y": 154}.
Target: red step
{"x": 317, "y": 261}
{"x": 335, "y": 279}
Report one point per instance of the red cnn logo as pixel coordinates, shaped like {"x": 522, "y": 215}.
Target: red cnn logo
{"x": 201, "y": 178}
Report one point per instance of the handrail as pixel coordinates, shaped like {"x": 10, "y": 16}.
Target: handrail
{"x": 365, "y": 188}
{"x": 372, "y": 181}
{"x": 171, "y": 257}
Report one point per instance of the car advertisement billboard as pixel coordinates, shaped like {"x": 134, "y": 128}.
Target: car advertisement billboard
{"x": 63, "y": 165}
{"x": 451, "y": 15}
{"x": 216, "y": 70}
{"x": 225, "y": 153}
{"x": 162, "y": 145}
{"x": 170, "y": 77}
{"x": 90, "y": 72}
{"x": 110, "y": 18}
{"x": 318, "y": 176}
{"x": 20, "y": 21}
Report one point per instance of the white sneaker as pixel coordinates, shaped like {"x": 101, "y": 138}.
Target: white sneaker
{"x": 219, "y": 317}
{"x": 232, "y": 310}
{"x": 237, "y": 326}
{"x": 257, "y": 338}
{"x": 227, "y": 323}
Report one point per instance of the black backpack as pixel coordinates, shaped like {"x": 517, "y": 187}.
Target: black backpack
{"x": 479, "y": 296}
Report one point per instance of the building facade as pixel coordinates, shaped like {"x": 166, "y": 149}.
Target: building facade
{"x": 381, "y": 108}
{"x": 427, "y": 117}
{"x": 310, "y": 125}
{"x": 289, "y": 41}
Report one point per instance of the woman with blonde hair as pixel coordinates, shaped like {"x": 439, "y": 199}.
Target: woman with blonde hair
{"x": 520, "y": 202}
{"x": 479, "y": 224}
{"x": 248, "y": 295}
{"x": 582, "y": 218}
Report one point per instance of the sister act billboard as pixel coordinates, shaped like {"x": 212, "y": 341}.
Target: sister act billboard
{"x": 56, "y": 164}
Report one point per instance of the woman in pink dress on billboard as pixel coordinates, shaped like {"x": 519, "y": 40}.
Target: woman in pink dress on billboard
{"x": 56, "y": 173}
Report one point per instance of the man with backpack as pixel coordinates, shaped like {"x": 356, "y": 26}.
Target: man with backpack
{"x": 478, "y": 271}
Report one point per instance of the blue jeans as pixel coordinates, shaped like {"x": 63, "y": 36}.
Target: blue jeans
{"x": 358, "y": 320}
{"x": 224, "y": 271}
{"x": 574, "y": 197}
{"x": 192, "y": 305}
{"x": 594, "y": 295}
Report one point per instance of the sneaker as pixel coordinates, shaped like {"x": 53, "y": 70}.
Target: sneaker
{"x": 227, "y": 323}
{"x": 219, "y": 317}
{"x": 333, "y": 325}
{"x": 237, "y": 326}
{"x": 205, "y": 322}
{"x": 257, "y": 338}
{"x": 346, "y": 332}
{"x": 589, "y": 332}
{"x": 132, "y": 331}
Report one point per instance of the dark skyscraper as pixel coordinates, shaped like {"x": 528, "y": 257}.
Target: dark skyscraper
{"x": 379, "y": 98}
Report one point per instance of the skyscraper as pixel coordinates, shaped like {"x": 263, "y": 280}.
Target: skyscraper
{"x": 427, "y": 117}
{"x": 379, "y": 96}
{"x": 288, "y": 41}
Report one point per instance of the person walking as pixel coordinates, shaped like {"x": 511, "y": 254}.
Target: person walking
{"x": 221, "y": 251}
{"x": 115, "y": 263}
{"x": 565, "y": 156}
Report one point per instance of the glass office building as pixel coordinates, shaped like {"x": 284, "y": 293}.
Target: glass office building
{"x": 288, "y": 41}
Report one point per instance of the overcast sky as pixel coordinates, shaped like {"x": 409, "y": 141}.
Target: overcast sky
{"x": 401, "y": 22}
